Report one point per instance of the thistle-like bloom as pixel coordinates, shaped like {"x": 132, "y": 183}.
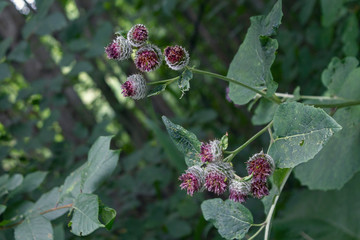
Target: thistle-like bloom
{"x": 239, "y": 190}
{"x": 261, "y": 165}
{"x": 176, "y": 57}
{"x": 259, "y": 189}
{"x": 134, "y": 87}
{"x": 119, "y": 49}
{"x": 211, "y": 151}
{"x": 217, "y": 177}
{"x": 148, "y": 58}
{"x": 138, "y": 35}
{"x": 192, "y": 179}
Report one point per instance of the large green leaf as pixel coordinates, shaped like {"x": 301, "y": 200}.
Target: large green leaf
{"x": 332, "y": 10}
{"x": 101, "y": 164}
{"x": 185, "y": 141}
{"x": 34, "y": 228}
{"x": 321, "y": 215}
{"x": 337, "y": 71}
{"x": 8, "y": 184}
{"x": 85, "y": 217}
{"x": 300, "y": 133}
{"x": 232, "y": 220}
{"x": 339, "y": 160}
{"x": 251, "y": 64}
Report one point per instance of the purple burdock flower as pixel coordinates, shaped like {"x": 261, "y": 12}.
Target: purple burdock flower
{"x": 211, "y": 151}
{"x": 134, "y": 87}
{"x": 119, "y": 49}
{"x": 259, "y": 189}
{"x": 217, "y": 177}
{"x": 138, "y": 35}
{"x": 261, "y": 165}
{"x": 192, "y": 180}
{"x": 239, "y": 190}
{"x": 148, "y": 58}
{"x": 176, "y": 57}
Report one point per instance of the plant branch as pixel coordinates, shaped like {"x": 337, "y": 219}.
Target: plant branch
{"x": 218, "y": 76}
{"x": 41, "y": 213}
{"x": 167, "y": 81}
{"x": 306, "y": 97}
{"x": 273, "y": 206}
{"x": 337, "y": 105}
{"x": 239, "y": 149}
{"x": 257, "y": 233}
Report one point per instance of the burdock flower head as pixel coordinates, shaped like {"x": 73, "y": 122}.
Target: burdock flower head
{"x": 211, "y": 151}
{"x": 148, "y": 58}
{"x": 261, "y": 165}
{"x": 217, "y": 177}
{"x": 119, "y": 49}
{"x": 134, "y": 87}
{"x": 259, "y": 189}
{"x": 239, "y": 190}
{"x": 138, "y": 35}
{"x": 176, "y": 57}
{"x": 192, "y": 179}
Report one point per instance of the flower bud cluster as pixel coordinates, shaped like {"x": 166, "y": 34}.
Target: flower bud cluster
{"x": 216, "y": 175}
{"x": 148, "y": 57}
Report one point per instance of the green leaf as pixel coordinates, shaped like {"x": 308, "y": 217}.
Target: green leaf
{"x": 54, "y": 22}
{"x": 321, "y": 215}
{"x": 21, "y": 52}
{"x": 34, "y": 228}
{"x": 300, "y": 132}
{"x": 4, "y": 71}
{"x": 264, "y": 112}
{"x": 184, "y": 81}
{"x": 157, "y": 90}
{"x": 8, "y": 184}
{"x": 2, "y": 209}
{"x": 30, "y": 183}
{"x": 232, "y": 220}
{"x": 107, "y": 216}
{"x": 174, "y": 156}
{"x": 224, "y": 141}
{"x": 341, "y": 155}
{"x": 350, "y": 36}
{"x": 85, "y": 217}
{"x": 332, "y": 10}
{"x": 4, "y": 45}
{"x": 251, "y": 64}
{"x": 100, "y": 165}
{"x": 185, "y": 141}
{"x": 337, "y": 71}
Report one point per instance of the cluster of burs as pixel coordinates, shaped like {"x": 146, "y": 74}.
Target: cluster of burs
{"x": 148, "y": 57}
{"x": 216, "y": 175}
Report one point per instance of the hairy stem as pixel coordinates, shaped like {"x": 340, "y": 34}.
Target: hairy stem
{"x": 306, "y": 97}
{"x": 337, "y": 105}
{"x": 239, "y": 149}
{"x": 167, "y": 81}
{"x": 218, "y": 76}
{"x": 41, "y": 213}
{"x": 273, "y": 206}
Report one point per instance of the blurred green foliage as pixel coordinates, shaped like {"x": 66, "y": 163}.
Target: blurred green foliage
{"x": 58, "y": 94}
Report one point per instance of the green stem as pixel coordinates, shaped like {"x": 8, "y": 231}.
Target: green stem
{"x": 273, "y": 206}
{"x": 218, "y": 76}
{"x": 257, "y": 233}
{"x": 167, "y": 81}
{"x": 306, "y": 97}
{"x": 239, "y": 149}
{"x": 258, "y": 224}
{"x": 337, "y": 105}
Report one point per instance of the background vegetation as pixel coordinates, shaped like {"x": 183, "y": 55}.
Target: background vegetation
{"x": 58, "y": 94}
